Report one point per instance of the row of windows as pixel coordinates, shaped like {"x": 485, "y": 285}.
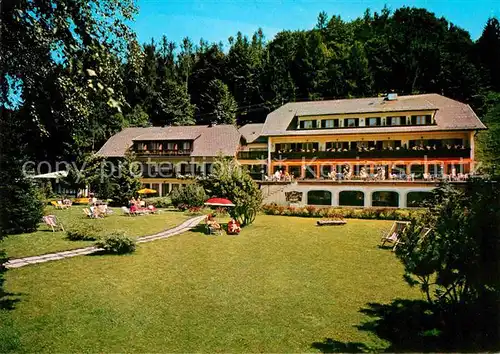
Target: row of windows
{"x": 357, "y": 198}
{"x": 369, "y": 122}
{"x": 170, "y": 170}
{"x": 163, "y": 145}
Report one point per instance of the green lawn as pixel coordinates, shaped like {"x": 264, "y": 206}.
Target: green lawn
{"x": 46, "y": 241}
{"x": 280, "y": 286}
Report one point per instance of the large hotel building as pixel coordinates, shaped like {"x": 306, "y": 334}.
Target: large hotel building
{"x": 383, "y": 151}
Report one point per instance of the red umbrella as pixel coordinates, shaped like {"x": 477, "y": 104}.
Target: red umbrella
{"x": 219, "y": 202}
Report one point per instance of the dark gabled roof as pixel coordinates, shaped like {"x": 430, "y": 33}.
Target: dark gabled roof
{"x": 251, "y": 131}
{"x": 207, "y": 141}
{"x": 450, "y": 114}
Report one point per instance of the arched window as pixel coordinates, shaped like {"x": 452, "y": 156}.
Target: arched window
{"x": 319, "y": 198}
{"x": 351, "y": 198}
{"x": 385, "y": 199}
{"x": 416, "y": 199}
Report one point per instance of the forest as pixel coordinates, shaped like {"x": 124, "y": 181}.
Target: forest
{"x": 74, "y": 73}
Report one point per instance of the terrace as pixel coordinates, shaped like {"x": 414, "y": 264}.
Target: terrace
{"x": 341, "y": 153}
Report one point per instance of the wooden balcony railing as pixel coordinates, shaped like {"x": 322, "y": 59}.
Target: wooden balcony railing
{"x": 252, "y": 155}
{"x": 163, "y": 152}
{"x": 352, "y": 154}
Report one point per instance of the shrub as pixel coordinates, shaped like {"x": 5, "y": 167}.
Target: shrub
{"x": 340, "y": 213}
{"x": 456, "y": 264}
{"x": 230, "y": 180}
{"x": 311, "y": 209}
{"x": 160, "y": 202}
{"x": 117, "y": 242}
{"x": 83, "y": 232}
{"x": 192, "y": 195}
{"x": 195, "y": 209}
{"x": 221, "y": 212}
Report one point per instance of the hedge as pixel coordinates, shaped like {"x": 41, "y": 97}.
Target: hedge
{"x": 325, "y": 212}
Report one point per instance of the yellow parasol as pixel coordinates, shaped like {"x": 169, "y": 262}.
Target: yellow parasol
{"x": 146, "y": 191}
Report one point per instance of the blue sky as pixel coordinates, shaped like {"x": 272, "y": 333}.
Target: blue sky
{"x": 217, "y": 20}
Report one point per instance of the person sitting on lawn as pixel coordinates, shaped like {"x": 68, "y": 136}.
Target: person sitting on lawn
{"x": 233, "y": 227}
{"x": 94, "y": 212}
{"x": 102, "y": 209}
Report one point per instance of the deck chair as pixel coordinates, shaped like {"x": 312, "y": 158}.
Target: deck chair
{"x": 423, "y": 234}
{"x": 126, "y": 211}
{"x": 87, "y": 212}
{"x": 55, "y": 204}
{"x": 51, "y": 220}
{"x": 394, "y": 234}
{"x": 61, "y": 205}
{"x": 213, "y": 228}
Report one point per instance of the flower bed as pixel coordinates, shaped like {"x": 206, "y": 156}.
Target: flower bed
{"x": 325, "y": 212}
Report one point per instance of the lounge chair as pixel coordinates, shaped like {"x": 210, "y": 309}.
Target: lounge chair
{"x": 152, "y": 209}
{"x": 394, "y": 235}
{"x": 213, "y": 228}
{"x": 126, "y": 211}
{"x": 423, "y": 234}
{"x": 56, "y": 204}
{"x": 61, "y": 205}
{"x": 91, "y": 212}
{"x": 51, "y": 220}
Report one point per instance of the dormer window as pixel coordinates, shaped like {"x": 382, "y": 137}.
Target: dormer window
{"x": 421, "y": 120}
{"x": 186, "y": 145}
{"x": 351, "y": 122}
{"x": 373, "y": 122}
{"x": 396, "y": 120}
{"x": 330, "y": 123}
{"x": 307, "y": 124}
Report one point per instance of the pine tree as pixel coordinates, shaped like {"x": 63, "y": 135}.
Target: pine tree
{"x": 488, "y": 47}
{"x": 171, "y": 105}
{"x": 20, "y": 208}
{"x": 126, "y": 181}
{"x": 218, "y": 104}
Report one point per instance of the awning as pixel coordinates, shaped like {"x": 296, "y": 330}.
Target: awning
{"x": 52, "y": 175}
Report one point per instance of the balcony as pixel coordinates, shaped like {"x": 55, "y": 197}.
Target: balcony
{"x": 163, "y": 152}
{"x": 252, "y": 155}
{"x": 353, "y": 154}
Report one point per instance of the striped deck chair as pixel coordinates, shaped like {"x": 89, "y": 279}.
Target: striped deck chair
{"x": 51, "y": 220}
{"x": 423, "y": 234}
{"x": 394, "y": 234}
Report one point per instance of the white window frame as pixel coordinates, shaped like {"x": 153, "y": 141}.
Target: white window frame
{"x": 420, "y": 120}
{"x": 353, "y": 121}
{"x": 308, "y": 124}
{"x": 395, "y": 119}
{"x": 329, "y": 123}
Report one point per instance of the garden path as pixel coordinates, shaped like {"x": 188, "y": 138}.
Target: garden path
{"x": 21, "y": 262}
